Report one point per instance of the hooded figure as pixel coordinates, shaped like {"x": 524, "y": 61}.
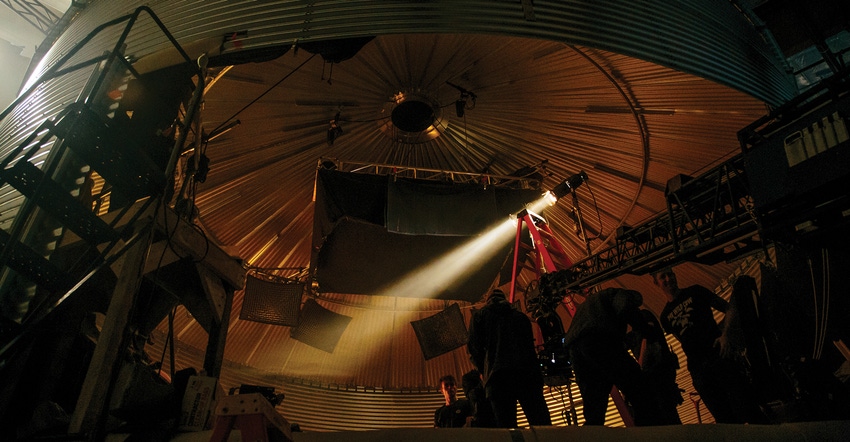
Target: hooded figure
{"x": 501, "y": 347}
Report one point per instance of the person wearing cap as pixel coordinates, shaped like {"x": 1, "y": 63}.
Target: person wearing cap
{"x": 501, "y": 347}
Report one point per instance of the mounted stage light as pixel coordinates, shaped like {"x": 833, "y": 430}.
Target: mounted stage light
{"x": 334, "y": 130}
{"x": 460, "y": 104}
{"x": 460, "y": 108}
{"x": 568, "y": 185}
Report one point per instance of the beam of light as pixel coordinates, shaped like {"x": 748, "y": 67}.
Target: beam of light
{"x": 429, "y": 281}
{"x": 438, "y": 275}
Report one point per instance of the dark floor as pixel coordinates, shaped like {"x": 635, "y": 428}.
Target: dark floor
{"x": 827, "y": 431}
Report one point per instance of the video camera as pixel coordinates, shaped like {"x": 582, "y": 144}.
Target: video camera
{"x": 554, "y": 360}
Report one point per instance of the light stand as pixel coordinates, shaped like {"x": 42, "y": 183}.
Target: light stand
{"x": 570, "y": 185}
{"x": 580, "y": 223}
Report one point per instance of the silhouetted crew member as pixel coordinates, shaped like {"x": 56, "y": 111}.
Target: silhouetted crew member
{"x": 659, "y": 366}
{"x": 501, "y": 347}
{"x": 719, "y": 380}
{"x": 473, "y": 389}
{"x": 597, "y": 342}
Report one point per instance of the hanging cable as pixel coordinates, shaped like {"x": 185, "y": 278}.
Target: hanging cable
{"x": 815, "y": 302}
{"x": 825, "y": 297}
{"x": 263, "y": 94}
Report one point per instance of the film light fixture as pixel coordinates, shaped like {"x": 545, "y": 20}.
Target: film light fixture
{"x": 334, "y": 130}
{"x": 461, "y": 103}
{"x": 567, "y": 186}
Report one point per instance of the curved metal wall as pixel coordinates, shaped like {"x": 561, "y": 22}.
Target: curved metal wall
{"x": 708, "y": 38}
{"x": 325, "y": 407}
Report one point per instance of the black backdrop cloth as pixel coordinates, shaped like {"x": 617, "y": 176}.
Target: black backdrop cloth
{"x": 369, "y": 231}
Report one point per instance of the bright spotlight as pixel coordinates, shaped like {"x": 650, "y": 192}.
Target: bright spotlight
{"x": 569, "y": 185}
{"x": 435, "y": 277}
{"x": 438, "y": 275}
{"x": 541, "y": 203}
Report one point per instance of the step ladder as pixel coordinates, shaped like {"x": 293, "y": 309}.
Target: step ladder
{"x": 548, "y": 254}
{"x": 253, "y": 415}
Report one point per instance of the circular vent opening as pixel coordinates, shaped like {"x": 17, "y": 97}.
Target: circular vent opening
{"x": 413, "y": 116}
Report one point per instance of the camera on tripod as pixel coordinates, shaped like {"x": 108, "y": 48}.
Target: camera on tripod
{"x": 554, "y": 360}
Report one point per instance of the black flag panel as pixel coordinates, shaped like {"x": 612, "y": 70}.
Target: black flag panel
{"x": 271, "y": 302}
{"x": 319, "y": 327}
{"x": 441, "y": 333}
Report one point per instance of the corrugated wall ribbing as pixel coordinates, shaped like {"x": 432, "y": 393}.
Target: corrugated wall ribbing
{"x": 708, "y": 38}
{"x": 328, "y": 407}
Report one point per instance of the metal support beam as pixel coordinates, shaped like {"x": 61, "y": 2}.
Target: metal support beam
{"x": 35, "y": 13}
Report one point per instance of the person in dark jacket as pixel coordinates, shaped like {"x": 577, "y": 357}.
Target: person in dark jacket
{"x": 473, "y": 389}
{"x": 501, "y": 347}
{"x": 597, "y": 341}
{"x": 455, "y": 413}
{"x": 659, "y": 365}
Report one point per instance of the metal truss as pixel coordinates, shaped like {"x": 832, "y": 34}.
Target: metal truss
{"x": 533, "y": 179}
{"x": 709, "y": 219}
{"x": 34, "y": 12}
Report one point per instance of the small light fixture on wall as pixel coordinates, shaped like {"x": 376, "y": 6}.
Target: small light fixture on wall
{"x": 334, "y": 130}
{"x": 461, "y": 103}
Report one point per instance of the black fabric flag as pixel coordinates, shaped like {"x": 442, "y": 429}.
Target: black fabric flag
{"x": 319, "y": 327}
{"x": 271, "y": 302}
{"x": 441, "y": 333}
{"x": 370, "y": 231}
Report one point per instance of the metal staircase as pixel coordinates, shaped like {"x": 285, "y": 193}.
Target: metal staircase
{"x": 90, "y": 143}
